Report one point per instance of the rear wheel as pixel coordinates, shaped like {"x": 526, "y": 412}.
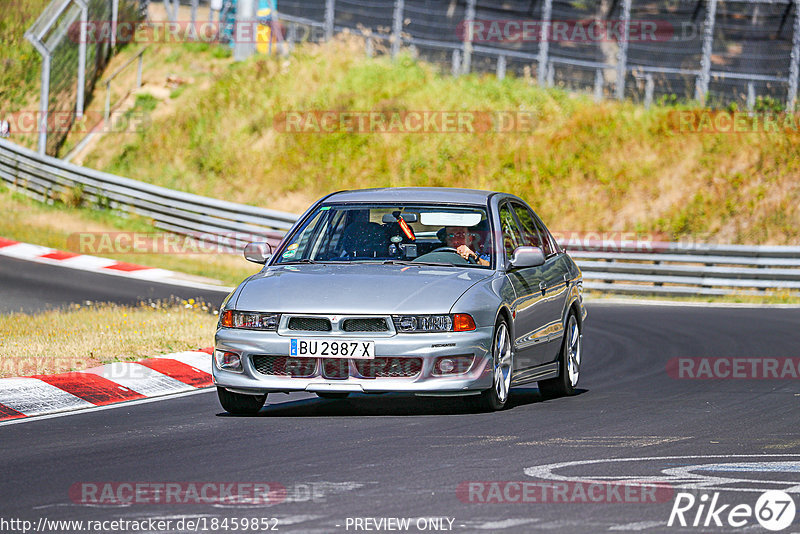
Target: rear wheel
{"x": 332, "y": 394}
{"x": 569, "y": 362}
{"x": 239, "y": 404}
{"x": 496, "y": 397}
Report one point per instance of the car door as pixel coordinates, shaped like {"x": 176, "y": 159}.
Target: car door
{"x": 553, "y": 284}
{"x": 529, "y": 308}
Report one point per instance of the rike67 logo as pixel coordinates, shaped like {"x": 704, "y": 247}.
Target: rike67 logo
{"x": 774, "y": 510}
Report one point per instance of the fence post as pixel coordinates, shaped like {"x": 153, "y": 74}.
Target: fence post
{"x": 544, "y": 41}
{"x": 751, "y": 96}
{"x": 705, "y": 62}
{"x": 81, "y": 89}
{"x": 397, "y": 26}
{"x": 622, "y": 55}
{"x": 794, "y": 61}
{"x": 456, "y": 65}
{"x": 330, "y": 5}
{"x": 466, "y": 63}
{"x": 598, "y": 85}
{"x": 139, "y": 69}
{"x": 551, "y": 74}
{"x": 44, "y": 102}
{"x": 649, "y": 86}
{"x": 244, "y": 30}
{"x": 107, "y": 110}
{"x": 114, "y": 21}
{"x": 501, "y": 67}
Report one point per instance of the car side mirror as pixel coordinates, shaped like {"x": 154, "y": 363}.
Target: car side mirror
{"x": 258, "y": 252}
{"x": 527, "y": 257}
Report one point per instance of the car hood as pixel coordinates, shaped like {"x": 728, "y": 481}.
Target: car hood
{"x": 354, "y": 288}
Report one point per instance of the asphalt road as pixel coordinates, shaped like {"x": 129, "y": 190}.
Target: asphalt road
{"x": 403, "y": 457}
{"x": 28, "y": 286}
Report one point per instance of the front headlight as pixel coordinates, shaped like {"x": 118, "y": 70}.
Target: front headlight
{"x": 249, "y": 320}
{"x": 458, "y": 322}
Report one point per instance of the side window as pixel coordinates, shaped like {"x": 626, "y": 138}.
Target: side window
{"x": 551, "y": 244}
{"x": 511, "y": 234}
{"x": 530, "y": 233}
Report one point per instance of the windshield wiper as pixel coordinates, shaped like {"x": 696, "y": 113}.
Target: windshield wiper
{"x": 409, "y": 262}
{"x": 304, "y": 260}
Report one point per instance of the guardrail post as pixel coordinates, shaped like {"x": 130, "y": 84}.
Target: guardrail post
{"x": 397, "y": 26}
{"x": 598, "y": 85}
{"x": 544, "y": 41}
{"x": 44, "y": 102}
{"x": 456, "y": 62}
{"x": 466, "y": 63}
{"x": 794, "y": 61}
{"x": 622, "y": 55}
{"x": 701, "y": 91}
{"x": 551, "y": 74}
{"x": 751, "y": 96}
{"x": 368, "y": 48}
{"x": 649, "y": 86}
{"x": 501, "y": 67}
{"x": 330, "y": 6}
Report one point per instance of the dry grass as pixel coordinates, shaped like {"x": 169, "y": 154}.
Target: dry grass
{"x": 585, "y": 167}
{"x": 81, "y": 337}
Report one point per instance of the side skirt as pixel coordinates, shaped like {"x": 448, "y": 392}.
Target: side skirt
{"x": 541, "y": 372}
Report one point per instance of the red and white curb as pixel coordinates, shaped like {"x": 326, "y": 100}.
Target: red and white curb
{"x": 179, "y": 372}
{"x": 83, "y": 262}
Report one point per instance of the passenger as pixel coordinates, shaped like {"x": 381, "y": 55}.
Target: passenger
{"x": 464, "y": 240}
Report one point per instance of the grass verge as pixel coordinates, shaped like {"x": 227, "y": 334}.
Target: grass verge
{"x": 83, "y": 336}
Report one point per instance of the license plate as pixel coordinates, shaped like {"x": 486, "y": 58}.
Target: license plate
{"x": 332, "y": 348}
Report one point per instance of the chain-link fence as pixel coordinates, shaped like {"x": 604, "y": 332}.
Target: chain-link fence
{"x": 717, "y": 51}
{"x": 72, "y": 59}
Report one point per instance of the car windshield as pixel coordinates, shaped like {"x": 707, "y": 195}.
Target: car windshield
{"x": 393, "y": 233}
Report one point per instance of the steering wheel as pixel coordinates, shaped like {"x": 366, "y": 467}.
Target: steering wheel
{"x": 471, "y": 259}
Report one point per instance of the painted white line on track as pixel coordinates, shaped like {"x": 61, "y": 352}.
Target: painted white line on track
{"x": 31, "y": 396}
{"x": 641, "y": 525}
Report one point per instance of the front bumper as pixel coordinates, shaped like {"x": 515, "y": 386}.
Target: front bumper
{"x": 426, "y": 346}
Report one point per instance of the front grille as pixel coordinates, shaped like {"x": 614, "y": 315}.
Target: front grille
{"x": 368, "y": 324}
{"x": 284, "y": 366}
{"x": 389, "y": 367}
{"x": 335, "y": 368}
{"x": 310, "y": 324}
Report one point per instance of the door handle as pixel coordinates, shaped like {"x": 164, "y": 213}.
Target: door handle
{"x": 543, "y": 287}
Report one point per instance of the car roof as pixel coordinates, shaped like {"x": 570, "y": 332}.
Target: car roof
{"x": 413, "y": 194}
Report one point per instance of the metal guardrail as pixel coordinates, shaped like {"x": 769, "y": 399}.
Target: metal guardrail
{"x": 207, "y": 219}
{"x": 652, "y": 268}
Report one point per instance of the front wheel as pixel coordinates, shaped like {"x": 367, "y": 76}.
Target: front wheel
{"x": 496, "y": 397}
{"x": 569, "y": 362}
{"x": 239, "y": 404}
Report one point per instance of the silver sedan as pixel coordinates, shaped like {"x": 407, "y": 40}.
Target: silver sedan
{"x": 431, "y": 291}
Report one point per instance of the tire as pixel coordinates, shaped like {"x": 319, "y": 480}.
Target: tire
{"x": 569, "y": 362}
{"x": 239, "y": 404}
{"x": 332, "y": 394}
{"x": 496, "y": 397}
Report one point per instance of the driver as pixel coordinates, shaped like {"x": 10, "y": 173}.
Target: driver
{"x": 462, "y": 239}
